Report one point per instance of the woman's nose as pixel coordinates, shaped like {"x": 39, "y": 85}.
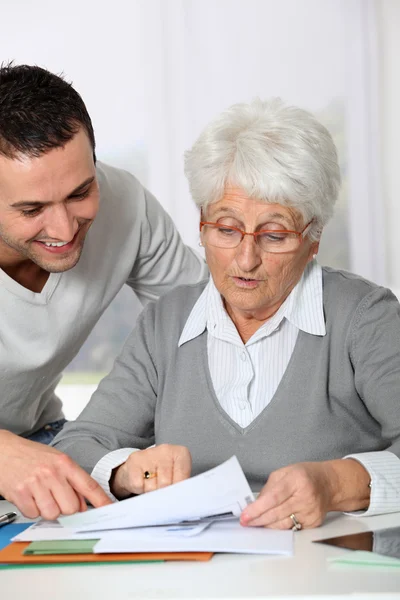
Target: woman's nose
{"x": 248, "y": 255}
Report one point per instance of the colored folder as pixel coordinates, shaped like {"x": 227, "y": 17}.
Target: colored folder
{"x": 60, "y": 547}
{"x": 14, "y": 555}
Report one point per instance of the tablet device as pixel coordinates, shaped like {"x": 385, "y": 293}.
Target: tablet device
{"x": 382, "y": 541}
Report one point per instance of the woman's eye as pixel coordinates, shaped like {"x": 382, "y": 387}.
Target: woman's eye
{"x": 226, "y": 231}
{"x": 273, "y": 236}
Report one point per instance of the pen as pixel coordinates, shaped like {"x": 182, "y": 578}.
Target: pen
{"x": 7, "y": 518}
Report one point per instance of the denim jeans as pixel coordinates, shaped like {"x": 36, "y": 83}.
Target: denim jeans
{"x": 46, "y": 434}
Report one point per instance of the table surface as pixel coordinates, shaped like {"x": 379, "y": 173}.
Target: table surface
{"x": 305, "y": 575}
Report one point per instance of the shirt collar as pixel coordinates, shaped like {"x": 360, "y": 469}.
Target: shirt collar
{"x": 303, "y": 308}
{"x": 306, "y": 301}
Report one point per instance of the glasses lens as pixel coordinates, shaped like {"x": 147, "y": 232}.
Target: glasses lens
{"x": 221, "y": 236}
{"x": 276, "y": 242}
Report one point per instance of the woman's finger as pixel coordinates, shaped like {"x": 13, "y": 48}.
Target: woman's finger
{"x": 272, "y": 516}
{"x": 270, "y": 501}
{"x": 182, "y": 466}
{"x": 164, "y": 473}
{"x": 150, "y": 484}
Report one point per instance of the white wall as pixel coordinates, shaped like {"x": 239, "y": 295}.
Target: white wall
{"x": 153, "y": 72}
{"x": 388, "y": 12}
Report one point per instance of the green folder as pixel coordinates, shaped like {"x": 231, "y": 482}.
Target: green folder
{"x": 60, "y": 547}
{"x": 366, "y": 559}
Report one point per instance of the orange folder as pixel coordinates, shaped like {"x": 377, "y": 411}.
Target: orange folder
{"x": 13, "y": 554}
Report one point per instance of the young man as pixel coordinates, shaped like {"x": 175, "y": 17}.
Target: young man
{"x": 72, "y": 232}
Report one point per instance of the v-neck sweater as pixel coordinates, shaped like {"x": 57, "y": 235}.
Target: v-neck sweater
{"x": 132, "y": 240}
{"x": 340, "y": 393}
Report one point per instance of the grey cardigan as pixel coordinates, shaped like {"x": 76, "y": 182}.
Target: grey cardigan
{"x": 340, "y": 393}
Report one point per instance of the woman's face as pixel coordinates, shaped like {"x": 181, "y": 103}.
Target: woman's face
{"x": 254, "y": 283}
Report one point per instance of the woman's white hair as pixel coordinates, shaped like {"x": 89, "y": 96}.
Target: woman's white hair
{"x": 274, "y": 153}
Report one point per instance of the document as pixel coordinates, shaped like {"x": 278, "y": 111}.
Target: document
{"x": 220, "y": 536}
{"x": 221, "y": 491}
{"x": 200, "y": 514}
{"x": 43, "y": 531}
{"x": 214, "y": 536}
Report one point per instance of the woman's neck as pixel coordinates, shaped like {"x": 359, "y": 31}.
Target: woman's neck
{"x": 248, "y": 322}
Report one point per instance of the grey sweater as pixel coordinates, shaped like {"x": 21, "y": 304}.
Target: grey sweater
{"x": 132, "y": 240}
{"x": 340, "y": 393}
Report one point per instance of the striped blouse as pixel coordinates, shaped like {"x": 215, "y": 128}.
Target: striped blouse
{"x": 246, "y": 376}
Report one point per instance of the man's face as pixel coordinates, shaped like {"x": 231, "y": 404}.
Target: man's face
{"x": 47, "y": 205}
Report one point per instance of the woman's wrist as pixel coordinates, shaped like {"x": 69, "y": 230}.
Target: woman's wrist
{"x": 349, "y": 485}
{"x": 116, "y": 483}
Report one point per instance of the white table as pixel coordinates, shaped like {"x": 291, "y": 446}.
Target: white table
{"x": 305, "y": 575}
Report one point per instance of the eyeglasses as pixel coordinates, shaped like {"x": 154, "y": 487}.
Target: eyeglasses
{"x": 227, "y": 236}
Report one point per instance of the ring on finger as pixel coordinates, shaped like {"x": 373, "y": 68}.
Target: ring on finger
{"x": 296, "y": 525}
{"x": 149, "y": 475}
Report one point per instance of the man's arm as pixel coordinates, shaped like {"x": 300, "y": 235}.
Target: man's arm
{"x": 164, "y": 261}
{"x": 121, "y": 412}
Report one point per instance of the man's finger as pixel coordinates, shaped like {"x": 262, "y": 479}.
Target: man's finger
{"x": 26, "y": 504}
{"x": 88, "y": 487}
{"x": 65, "y": 496}
{"x": 47, "y": 505}
{"x": 82, "y": 503}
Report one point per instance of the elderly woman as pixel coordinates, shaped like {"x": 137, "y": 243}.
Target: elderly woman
{"x": 293, "y": 368}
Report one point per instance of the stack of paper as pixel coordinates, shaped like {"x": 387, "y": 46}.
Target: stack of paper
{"x": 221, "y": 491}
{"x": 196, "y": 517}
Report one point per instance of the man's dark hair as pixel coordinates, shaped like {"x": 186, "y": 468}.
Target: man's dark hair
{"x": 39, "y": 111}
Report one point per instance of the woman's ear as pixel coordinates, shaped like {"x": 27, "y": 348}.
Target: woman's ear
{"x": 314, "y": 249}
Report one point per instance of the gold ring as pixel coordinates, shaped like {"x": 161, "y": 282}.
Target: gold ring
{"x": 149, "y": 475}
{"x": 296, "y": 525}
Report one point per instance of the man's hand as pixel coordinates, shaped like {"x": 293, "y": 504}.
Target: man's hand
{"x": 309, "y": 490}
{"x": 41, "y": 481}
{"x": 166, "y": 463}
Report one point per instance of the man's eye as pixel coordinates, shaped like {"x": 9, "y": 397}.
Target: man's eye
{"x": 32, "y": 212}
{"x": 80, "y": 196}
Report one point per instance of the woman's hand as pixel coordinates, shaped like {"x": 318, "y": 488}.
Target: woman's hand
{"x": 165, "y": 464}
{"x": 309, "y": 490}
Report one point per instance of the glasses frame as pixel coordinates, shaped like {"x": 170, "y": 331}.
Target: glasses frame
{"x": 256, "y": 234}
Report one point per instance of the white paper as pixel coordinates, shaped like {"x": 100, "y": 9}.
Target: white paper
{"x": 227, "y": 536}
{"x": 217, "y": 536}
{"x": 223, "y": 489}
{"x": 52, "y": 530}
